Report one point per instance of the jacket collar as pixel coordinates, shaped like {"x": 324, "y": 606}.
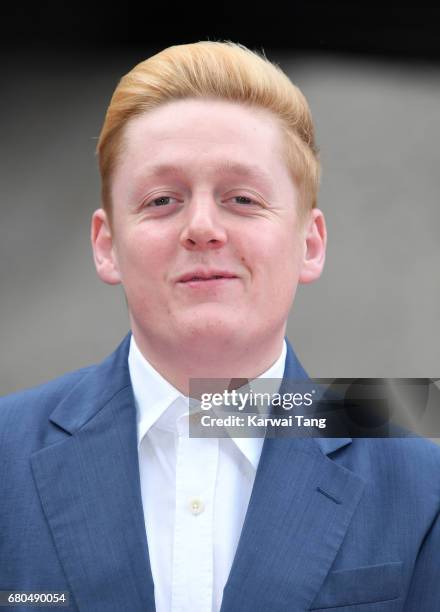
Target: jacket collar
{"x": 95, "y": 390}
{"x": 110, "y": 377}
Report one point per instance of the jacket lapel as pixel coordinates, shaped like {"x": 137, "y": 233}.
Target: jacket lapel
{"x": 301, "y": 506}
{"x": 88, "y": 482}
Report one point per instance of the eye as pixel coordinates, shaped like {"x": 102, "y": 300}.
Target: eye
{"x": 241, "y": 199}
{"x": 160, "y": 201}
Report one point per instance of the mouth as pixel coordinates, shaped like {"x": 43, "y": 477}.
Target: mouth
{"x": 206, "y": 277}
{"x": 208, "y": 284}
{"x": 201, "y": 278}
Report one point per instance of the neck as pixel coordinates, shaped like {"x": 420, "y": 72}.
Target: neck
{"x": 179, "y": 363}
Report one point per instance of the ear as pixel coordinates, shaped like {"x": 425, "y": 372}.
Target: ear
{"x": 103, "y": 248}
{"x": 315, "y": 243}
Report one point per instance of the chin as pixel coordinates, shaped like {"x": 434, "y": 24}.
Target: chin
{"x": 213, "y": 328}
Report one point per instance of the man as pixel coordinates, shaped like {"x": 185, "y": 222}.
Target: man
{"x": 209, "y": 221}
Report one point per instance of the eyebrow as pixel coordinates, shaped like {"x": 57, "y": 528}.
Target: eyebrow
{"x": 227, "y": 167}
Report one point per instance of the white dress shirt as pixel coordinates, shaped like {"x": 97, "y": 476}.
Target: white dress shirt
{"x": 195, "y": 492}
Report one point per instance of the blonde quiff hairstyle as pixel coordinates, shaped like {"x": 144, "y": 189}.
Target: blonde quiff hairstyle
{"x": 220, "y": 70}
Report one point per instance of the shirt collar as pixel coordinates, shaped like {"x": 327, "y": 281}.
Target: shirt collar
{"x": 252, "y": 447}
{"x": 158, "y": 402}
{"x": 153, "y": 394}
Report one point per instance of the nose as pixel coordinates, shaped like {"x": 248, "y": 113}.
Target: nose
{"x": 203, "y": 228}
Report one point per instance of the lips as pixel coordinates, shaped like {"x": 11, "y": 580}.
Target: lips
{"x": 205, "y": 275}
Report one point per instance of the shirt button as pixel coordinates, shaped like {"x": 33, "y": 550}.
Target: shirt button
{"x": 196, "y": 506}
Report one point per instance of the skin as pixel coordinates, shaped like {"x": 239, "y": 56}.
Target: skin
{"x": 204, "y": 184}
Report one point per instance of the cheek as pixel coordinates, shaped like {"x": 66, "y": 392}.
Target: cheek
{"x": 144, "y": 254}
{"x": 144, "y": 271}
{"x": 279, "y": 261}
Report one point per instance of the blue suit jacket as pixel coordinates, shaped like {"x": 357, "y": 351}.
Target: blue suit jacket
{"x": 350, "y": 525}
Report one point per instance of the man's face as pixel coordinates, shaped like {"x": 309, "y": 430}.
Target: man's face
{"x": 206, "y": 237}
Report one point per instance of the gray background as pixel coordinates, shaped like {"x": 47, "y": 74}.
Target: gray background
{"x": 375, "y": 311}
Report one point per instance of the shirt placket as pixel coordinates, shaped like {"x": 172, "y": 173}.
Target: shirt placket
{"x": 193, "y": 559}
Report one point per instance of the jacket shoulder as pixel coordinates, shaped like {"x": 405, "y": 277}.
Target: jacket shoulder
{"x": 25, "y": 408}
{"x": 407, "y": 469}
{"x": 400, "y": 453}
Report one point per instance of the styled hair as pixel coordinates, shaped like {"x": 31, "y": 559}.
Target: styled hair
{"x": 221, "y": 70}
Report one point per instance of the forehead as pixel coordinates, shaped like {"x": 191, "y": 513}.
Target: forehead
{"x": 203, "y": 135}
